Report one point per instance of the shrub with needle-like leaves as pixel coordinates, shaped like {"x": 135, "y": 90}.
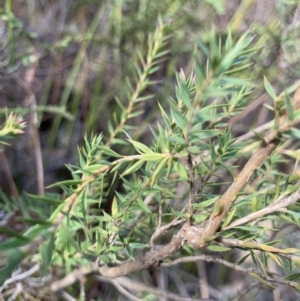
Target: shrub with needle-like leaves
{"x": 198, "y": 187}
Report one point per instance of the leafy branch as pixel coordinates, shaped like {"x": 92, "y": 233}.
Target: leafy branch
{"x": 174, "y": 186}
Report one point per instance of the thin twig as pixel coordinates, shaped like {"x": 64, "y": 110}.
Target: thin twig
{"x": 137, "y": 286}
{"x": 123, "y": 291}
{"x": 246, "y": 291}
{"x": 203, "y": 283}
{"x": 19, "y": 277}
{"x": 236, "y": 267}
{"x": 273, "y": 207}
{"x": 158, "y": 231}
{"x": 30, "y": 101}
{"x": 18, "y": 290}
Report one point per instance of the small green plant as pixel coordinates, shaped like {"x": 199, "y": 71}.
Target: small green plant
{"x": 13, "y": 125}
{"x": 187, "y": 194}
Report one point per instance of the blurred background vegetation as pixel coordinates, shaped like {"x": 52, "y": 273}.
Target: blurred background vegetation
{"x": 64, "y": 64}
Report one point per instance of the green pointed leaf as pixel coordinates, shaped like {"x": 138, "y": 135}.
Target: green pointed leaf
{"x": 289, "y": 107}
{"x": 184, "y": 94}
{"x": 194, "y": 150}
{"x": 269, "y": 89}
{"x": 229, "y": 217}
{"x": 216, "y": 248}
{"x": 201, "y": 217}
{"x": 46, "y": 254}
{"x": 11, "y": 233}
{"x": 217, "y": 209}
{"x": 276, "y": 259}
{"x": 114, "y": 207}
{"x": 296, "y": 133}
{"x": 158, "y": 170}
{"x": 230, "y": 57}
{"x": 261, "y": 280}
{"x": 292, "y": 277}
{"x": 297, "y": 287}
{"x": 180, "y": 170}
{"x": 12, "y": 258}
{"x": 137, "y": 165}
{"x": 203, "y": 48}
{"x": 143, "y": 206}
{"x": 93, "y": 168}
{"x": 204, "y": 204}
{"x": 152, "y": 157}
{"x": 199, "y": 74}
{"x": 137, "y": 245}
{"x": 108, "y": 151}
{"x": 140, "y": 147}
{"x": 178, "y": 213}
{"x": 179, "y": 118}
{"x": 177, "y": 140}
{"x": 164, "y": 115}
{"x": 45, "y": 199}
{"x": 66, "y": 183}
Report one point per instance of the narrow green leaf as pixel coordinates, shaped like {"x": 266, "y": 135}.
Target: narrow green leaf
{"x": 217, "y": 209}
{"x": 228, "y": 43}
{"x": 129, "y": 252}
{"x": 290, "y": 251}
{"x": 151, "y": 157}
{"x": 45, "y": 199}
{"x": 297, "y": 288}
{"x": 66, "y": 182}
{"x": 269, "y": 89}
{"x": 201, "y": 217}
{"x": 251, "y": 229}
{"x": 144, "y": 98}
{"x": 13, "y": 258}
{"x": 232, "y": 54}
{"x": 11, "y": 233}
{"x": 261, "y": 280}
{"x": 199, "y": 74}
{"x": 178, "y": 213}
{"x": 158, "y": 170}
{"x": 135, "y": 114}
{"x": 177, "y": 140}
{"x": 46, "y": 254}
{"x": 137, "y": 165}
{"x": 295, "y": 132}
{"x": 193, "y": 150}
{"x": 204, "y": 204}
{"x": 140, "y": 147}
{"x": 203, "y": 134}
{"x": 179, "y": 118}
{"x": 292, "y": 277}
{"x": 276, "y": 259}
{"x": 108, "y": 151}
{"x": 180, "y": 170}
{"x": 170, "y": 166}
{"x": 216, "y": 248}
{"x": 143, "y": 206}
{"x": 229, "y": 217}
{"x": 202, "y": 47}
{"x": 114, "y": 207}
{"x": 34, "y": 221}
{"x": 93, "y": 168}
{"x": 289, "y": 107}
{"x": 184, "y": 94}
{"x": 137, "y": 245}
{"x": 164, "y": 115}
